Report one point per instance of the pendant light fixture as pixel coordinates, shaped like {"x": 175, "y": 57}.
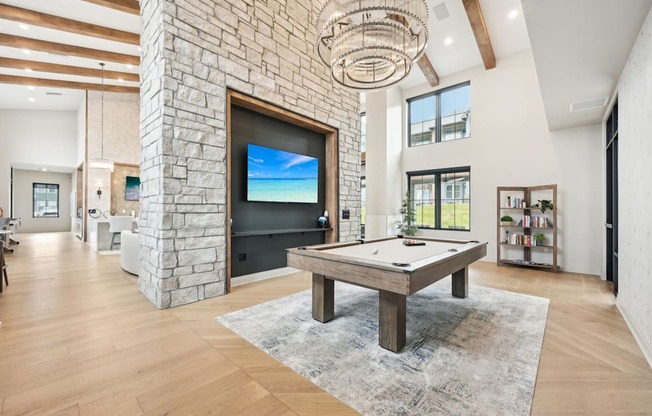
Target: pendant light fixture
{"x": 102, "y": 163}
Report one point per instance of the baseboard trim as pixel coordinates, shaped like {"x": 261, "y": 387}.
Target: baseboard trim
{"x": 640, "y": 339}
{"x": 267, "y": 274}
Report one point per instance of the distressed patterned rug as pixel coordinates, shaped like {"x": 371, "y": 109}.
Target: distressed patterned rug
{"x": 473, "y": 356}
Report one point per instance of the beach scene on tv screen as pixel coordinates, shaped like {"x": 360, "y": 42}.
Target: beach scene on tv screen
{"x": 278, "y": 176}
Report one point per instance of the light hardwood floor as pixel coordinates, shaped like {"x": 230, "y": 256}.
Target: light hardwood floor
{"x": 78, "y": 339}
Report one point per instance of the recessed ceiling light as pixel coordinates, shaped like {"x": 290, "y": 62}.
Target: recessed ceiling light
{"x": 448, "y": 41}
{"x": 26, "y": 51}
{"x": 30, "y": 87}
{"x": 513, "y": 14}
{"x": 28, "y": 70}
{"x": 31, "y": 99}
{"x": 121, "y": 80}
{"x": 23, "y": 26}
{"x": 129, "y": 66}
{"x": 44, "y": 169}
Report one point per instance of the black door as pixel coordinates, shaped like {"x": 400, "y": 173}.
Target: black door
{"x": 611, "y": 222}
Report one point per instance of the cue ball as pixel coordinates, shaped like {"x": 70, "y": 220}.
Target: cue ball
{"x": 375, "y": 251}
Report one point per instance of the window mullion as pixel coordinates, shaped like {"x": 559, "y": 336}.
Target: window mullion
{"x": 438, "y": 118}
{"x": 437, "y": 178}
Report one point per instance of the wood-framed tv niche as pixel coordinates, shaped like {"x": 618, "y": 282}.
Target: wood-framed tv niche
{"x": 331, "y": 191}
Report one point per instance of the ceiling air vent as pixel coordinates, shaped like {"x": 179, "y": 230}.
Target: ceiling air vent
{"x": 53, "y": 93}
{"x": 441, "y": 12}
{"x": 588, "y": 104}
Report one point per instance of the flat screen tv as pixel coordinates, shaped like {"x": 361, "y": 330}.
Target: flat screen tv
{"x": 132, "y": 188}
{"x": 278, "y": 176}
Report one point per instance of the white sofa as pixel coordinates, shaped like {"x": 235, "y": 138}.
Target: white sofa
{"x": 129, "y": 251}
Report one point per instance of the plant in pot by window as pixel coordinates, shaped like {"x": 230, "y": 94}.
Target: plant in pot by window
{"x": 538, "y": 239}
{"x": 544, "y": 205}
{"x": 407, "y": 224}
{"x": 506, "y": 220}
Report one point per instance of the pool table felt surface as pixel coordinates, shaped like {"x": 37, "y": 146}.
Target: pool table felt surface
{"x": 394, "y": 251}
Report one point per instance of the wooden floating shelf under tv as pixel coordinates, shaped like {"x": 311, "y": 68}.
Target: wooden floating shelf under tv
{"x": 238, "y": 234}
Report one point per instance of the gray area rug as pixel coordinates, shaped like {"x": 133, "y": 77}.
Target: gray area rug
{"x": 473, "y": 356}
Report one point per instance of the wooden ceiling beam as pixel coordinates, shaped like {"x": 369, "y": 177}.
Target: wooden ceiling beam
{"x": 49, "y": 21}
{"x": 479, "y": 27}
{"x": 424, "y": 63}
{"x": 127, "y": 6}
{"x": 62, "y": 49}
{"x": 55, "y": 83}
{"x": 66, "y": 69}
{"x": 428, "y": 70}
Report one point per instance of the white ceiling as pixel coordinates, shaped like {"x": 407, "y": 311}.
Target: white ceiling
{"x": 508, "y": 36}
{"x": 579, "y": 48}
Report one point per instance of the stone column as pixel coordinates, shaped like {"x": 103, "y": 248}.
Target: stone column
{"x": 192, "y": 51}
{"x": 182, "y": 230}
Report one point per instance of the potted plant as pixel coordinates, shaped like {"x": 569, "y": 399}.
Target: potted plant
{"x": 538, "y": 239}
{"x": 545, "y": 204}
{"x": 407, "y": 225}
{"x": 506, "y": 220}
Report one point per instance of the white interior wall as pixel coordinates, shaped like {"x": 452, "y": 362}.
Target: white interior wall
{"x": 39, "y": 138}
{"x": 23, "y": 184}
{"x": 81, "y": 131}
{"x": 81, "y": 155}
{"x": 383, "y": 165}
{"x": 512, "y": 146}
{"x": 634, "y": 190}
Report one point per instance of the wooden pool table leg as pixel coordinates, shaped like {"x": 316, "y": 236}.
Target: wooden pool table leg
{"x": 323, "y": 298}
{"x": 391, "y": 321}
{"x": 461, "y": 283}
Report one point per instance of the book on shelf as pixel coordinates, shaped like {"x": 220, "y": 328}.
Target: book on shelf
{"x": 515, "y": 202}
{"x": 517, "y": 239}
{"x": 534, "y": 222}
{"x": 532, "y": 263}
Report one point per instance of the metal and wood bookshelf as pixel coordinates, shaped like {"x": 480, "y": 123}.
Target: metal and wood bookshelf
{"x": 515, "y": 242}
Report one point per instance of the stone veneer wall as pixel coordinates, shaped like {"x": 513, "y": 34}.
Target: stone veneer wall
{"x": 192, "y": 51}
{"x": 635, "y": 193}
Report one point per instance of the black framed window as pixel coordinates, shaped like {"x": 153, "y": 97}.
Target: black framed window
{"x": 442, "y": 198}
{"x": 440, "y": 116}
{"x": 45, "y": 198}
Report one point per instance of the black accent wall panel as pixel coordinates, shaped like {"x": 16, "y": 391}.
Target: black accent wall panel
{"x": 249, "y": 127}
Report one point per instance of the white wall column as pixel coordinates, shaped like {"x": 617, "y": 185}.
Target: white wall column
{"x": 383, "y": 163}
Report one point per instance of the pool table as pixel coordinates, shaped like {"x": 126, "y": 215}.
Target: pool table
{"x": 390, "y": 266}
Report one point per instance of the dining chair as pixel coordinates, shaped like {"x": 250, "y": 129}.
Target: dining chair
{"x": 3, "y": 265}
{"x": 117, "y": 224}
